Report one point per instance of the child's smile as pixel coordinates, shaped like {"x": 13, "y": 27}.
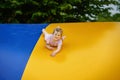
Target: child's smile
{"x": 57, "y": 36}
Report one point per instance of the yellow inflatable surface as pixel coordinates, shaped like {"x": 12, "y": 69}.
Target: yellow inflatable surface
{"x": 91, "y": 51}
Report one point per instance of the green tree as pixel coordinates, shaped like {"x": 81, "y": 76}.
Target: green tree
{"x": 51, "y": 11}
{"x": 116, "y": 17}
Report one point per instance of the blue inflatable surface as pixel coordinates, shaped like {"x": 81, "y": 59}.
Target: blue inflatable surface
{"x": 16, "y": 43}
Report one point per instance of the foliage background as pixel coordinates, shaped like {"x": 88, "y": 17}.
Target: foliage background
{"x": 55, "y": 11}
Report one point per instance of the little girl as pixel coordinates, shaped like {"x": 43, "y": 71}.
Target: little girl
{"x": 54, "y": 40}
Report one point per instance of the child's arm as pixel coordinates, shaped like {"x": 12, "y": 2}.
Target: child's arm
{"x": 57, "y": 50}
{"x": 49, "y": 47}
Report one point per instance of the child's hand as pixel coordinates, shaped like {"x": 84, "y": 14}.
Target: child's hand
{"x": 53, "y": 54}
{"x": 49, "y": 47}
{"x": 63, "y": 37}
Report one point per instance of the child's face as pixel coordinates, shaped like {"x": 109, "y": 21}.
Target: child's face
{"x": 57, "y": 35}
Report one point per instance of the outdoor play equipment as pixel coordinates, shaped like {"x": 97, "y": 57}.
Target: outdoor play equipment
{"x": 91, "y": 51}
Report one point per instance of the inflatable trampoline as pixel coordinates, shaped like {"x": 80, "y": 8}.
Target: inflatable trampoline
{"x": 91, "y": 51}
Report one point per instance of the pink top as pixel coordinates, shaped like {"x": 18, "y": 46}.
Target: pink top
{"x": 51, "y": 42}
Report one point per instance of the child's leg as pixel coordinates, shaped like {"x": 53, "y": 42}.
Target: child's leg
{"x": 44, "y": 32}
{"x": 46, "y": 35}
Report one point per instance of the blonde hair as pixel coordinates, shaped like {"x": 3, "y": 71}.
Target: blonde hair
{"x": 58, "y": 29}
